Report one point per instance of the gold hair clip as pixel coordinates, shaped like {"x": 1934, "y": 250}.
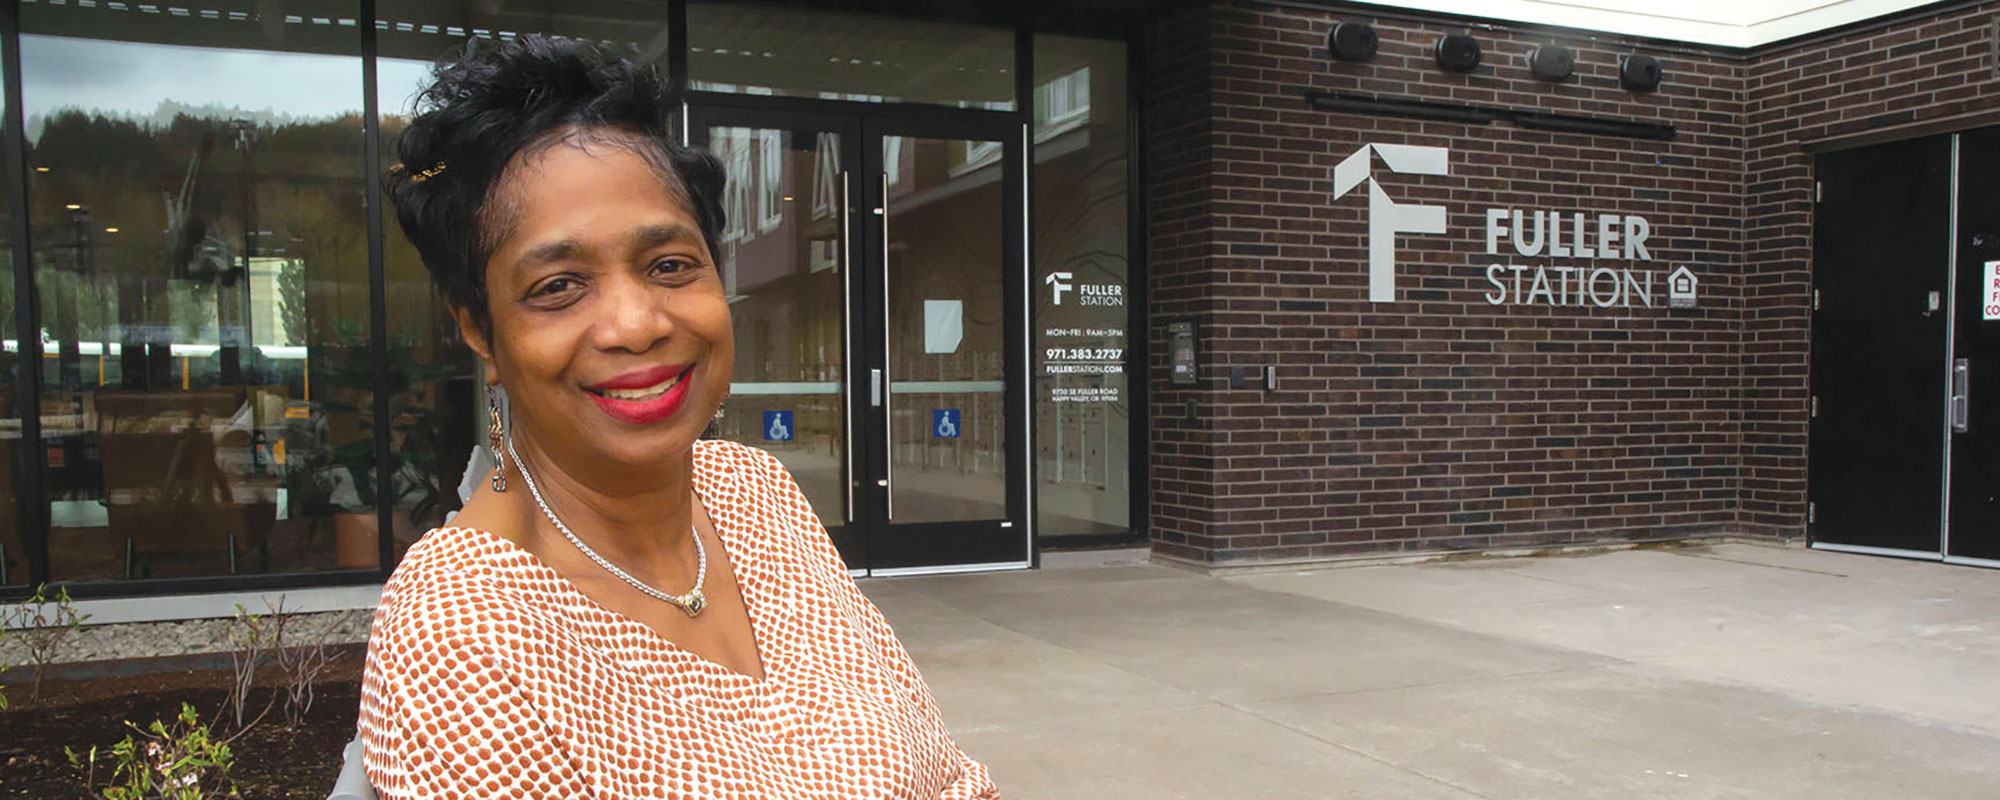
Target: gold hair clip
{"x": 428, "y": 174}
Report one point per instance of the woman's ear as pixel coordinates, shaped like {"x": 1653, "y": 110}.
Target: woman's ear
{"x": 475, "y": 338}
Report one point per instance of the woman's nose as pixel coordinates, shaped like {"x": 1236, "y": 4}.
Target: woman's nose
{"x": 636, "y": 317}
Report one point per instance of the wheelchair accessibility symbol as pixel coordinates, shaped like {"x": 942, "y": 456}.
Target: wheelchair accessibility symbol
{"x": 944, "y": 423}
{"x": 777, "y": 426}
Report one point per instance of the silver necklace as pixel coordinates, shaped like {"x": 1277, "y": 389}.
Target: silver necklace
{"x": 691, "y": 603}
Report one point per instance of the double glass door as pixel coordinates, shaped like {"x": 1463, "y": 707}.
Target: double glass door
{"x": 875, "y": 271}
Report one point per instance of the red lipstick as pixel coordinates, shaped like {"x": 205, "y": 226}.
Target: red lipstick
{"x": 650, "y": 410}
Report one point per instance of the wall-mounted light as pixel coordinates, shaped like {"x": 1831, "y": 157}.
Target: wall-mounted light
{"x": 1457, "y": 52}
{"x": 1639, "y": 73}
{"x": 1352, "y": 41}
{"x": 41, "y": 169}
{"x": 73, "y": 206}
{"x": 1552, "y": 62}
{"x": 112, "y": 229}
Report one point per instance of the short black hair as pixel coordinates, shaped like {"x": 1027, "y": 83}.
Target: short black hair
{"x": 491, "y": 100}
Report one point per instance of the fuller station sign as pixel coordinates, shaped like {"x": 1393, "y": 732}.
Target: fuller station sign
{"x": 1617, "y": 238}
{"x": 1565, "y": 258}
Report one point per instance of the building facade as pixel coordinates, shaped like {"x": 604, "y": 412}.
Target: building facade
{"x": 1249, "y": 282}
{"x": 1524, "y": 378}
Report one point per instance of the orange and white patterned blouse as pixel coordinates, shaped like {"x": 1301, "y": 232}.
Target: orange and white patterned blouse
{"x": 490, "y": 676}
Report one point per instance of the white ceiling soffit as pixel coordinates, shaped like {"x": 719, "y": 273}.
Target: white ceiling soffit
{"x": 1732, "y": 23}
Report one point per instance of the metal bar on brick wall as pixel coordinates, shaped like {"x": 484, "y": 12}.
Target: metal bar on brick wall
{"x": 1481, "y": 115}
{"x": 1597, "y": 126}
{"x": 1400, "y": 107}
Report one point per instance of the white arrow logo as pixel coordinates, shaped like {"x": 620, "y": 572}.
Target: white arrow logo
{"x": 1058, "y": 283}
{"x": 1386, "y": 217}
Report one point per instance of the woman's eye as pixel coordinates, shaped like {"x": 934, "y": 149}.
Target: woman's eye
{"x": 554, "y": 286}
{"x": 668, "y": 266}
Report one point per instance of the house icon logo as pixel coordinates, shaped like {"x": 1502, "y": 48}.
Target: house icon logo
{"x": 1386, "y": 217}
{"x": 1681, "y": 288}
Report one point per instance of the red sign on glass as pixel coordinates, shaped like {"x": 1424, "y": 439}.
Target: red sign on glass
{"x": 1992, "y": 301}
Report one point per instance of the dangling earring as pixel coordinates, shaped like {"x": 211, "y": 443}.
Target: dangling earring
{"x": 495, "y": 429}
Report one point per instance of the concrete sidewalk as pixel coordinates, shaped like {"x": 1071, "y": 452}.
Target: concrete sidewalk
{"x": 1702, "y": 672}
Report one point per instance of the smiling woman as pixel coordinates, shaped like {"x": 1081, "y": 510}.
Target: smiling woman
{"x": 654, "y": 615}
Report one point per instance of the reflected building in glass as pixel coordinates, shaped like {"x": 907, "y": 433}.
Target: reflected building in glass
{"x": 235, "y": 376}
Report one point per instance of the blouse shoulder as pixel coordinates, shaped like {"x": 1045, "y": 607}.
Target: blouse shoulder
{"x": 751, "y": 474}
{"x": 754, "y": 491}
{"x": 448, "y": 588}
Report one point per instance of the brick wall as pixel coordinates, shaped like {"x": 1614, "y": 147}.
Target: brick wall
{"x": 1438, "y": 421}
{"x": 1180, "y": 228}
{"x": 1923, "y": 69}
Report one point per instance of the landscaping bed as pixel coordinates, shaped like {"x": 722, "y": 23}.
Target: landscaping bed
{"x": 271, "y": 759}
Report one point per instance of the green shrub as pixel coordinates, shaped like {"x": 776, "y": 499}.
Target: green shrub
{"x": 181, "y": 761}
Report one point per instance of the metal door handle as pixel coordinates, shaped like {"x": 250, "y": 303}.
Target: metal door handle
{"x": 888, "y": 415}
{"x": 847, "y": 339}
{"x": 1961, "y": 394}
{"x": 875, "y": 388}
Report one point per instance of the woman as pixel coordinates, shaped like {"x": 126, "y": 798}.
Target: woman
{"x": 620, "y": 610}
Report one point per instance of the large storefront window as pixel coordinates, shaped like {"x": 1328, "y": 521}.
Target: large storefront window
{"x": 800, "y": 53}
{"x": 227, "y": 385}
{"x": 196, "y": 208}
{"x": 1083, "y": 414}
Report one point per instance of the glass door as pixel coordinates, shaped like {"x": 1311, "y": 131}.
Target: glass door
{"x": 786, "y": 250}
{"x": 875, "y": 272}
{"x": 946, "y": 399}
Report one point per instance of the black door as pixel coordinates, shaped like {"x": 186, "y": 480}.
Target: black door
{"x": 946, "y": 342}
{"x": 1973, "y": 530}
{"x": 876, "y": 275}
{"x": 1881, "y": 265}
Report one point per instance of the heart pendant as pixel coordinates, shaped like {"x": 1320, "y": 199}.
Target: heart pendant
{"x": 692, "y": 603}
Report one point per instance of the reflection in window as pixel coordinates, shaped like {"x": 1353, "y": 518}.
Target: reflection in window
{"x": 1083, "y": 417}
{"x": 1062, "y": 103}
{"x": 771, "y": 197}
{"x": 197, "y": 212}
{"x": 807, "y": 53}
{"x": 786, "y": 299}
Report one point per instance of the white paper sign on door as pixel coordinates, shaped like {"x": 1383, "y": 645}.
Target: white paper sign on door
{"x": 1992, "y": 290}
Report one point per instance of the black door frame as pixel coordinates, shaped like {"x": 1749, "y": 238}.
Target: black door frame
{"x": 870, "y": 540}
{"x": 1972, "y": 451}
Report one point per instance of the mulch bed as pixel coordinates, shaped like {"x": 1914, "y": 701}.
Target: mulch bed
{"x": 272, "y": 761}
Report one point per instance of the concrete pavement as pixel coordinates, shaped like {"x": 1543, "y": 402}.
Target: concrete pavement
{"x": 1721, "y": 671}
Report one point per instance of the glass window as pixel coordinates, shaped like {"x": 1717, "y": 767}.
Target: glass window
{"x": 802, "y": 53}
{"x": 1082, "y": 412}
{"x": 197, "y": 214}
{"x": 413, "y": 33}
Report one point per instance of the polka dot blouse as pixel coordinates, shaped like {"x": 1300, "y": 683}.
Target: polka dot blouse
{"x": 490, "y": 676}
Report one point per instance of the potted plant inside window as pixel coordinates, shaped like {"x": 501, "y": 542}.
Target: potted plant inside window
{"x": 360, "y": 482}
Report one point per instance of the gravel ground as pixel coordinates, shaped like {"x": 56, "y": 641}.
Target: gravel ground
{"x": 145, "y": 639}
